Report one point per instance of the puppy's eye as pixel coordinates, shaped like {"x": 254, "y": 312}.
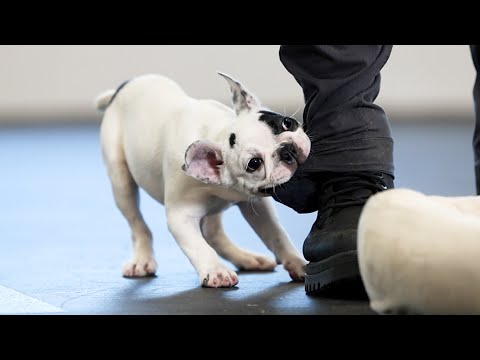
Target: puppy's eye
{"x": 254, "y": 164}
{"x": 287, "y": 124}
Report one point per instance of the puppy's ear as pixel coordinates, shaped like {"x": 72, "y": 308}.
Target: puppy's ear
{"x": 242, "y": 99}
{"x": 203, "y": 161}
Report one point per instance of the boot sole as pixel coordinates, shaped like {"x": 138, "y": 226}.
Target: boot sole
{"x": 336, "y": 276}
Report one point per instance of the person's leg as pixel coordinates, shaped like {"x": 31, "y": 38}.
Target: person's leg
{"x": 475, "y": 50}
{"x": 351, "y": 156}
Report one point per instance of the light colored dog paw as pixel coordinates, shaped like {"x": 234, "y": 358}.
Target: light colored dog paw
{"x": 255, "y": 262}
{"x": 221, "y": 276}
{"x": 296, "y": 268}
{"x": 140, "y": 267}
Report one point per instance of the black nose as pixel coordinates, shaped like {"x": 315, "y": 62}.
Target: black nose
{"x": 289, "y": 154}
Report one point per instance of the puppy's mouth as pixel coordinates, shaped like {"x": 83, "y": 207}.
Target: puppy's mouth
{"x": 266, "y": 191}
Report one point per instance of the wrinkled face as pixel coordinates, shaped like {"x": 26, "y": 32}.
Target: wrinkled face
{"x": 262, "y": 150}
{"x": 265, "y": 149}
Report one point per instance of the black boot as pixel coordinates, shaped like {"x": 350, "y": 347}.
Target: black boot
{"x": 331, "y": 245}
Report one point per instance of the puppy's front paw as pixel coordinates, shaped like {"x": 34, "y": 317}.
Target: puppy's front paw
{"x": 140, "y": 267}
{"x": 219, "y": 277}
{"x": 296, "y": 268}
{"x": 255, "y": 262}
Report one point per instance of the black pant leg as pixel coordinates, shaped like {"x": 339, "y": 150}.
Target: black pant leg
{"x": 348, "y": 131}
{"x": 340, "y": 83}
{"x": 475, "y": 50}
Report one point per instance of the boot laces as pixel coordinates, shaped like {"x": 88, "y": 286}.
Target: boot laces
{"x": 350, "y": 189}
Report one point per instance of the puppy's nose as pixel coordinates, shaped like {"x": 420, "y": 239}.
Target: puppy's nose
{"x": 289, "y": 154}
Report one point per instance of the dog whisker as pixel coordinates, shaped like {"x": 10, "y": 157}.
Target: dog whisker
{"x": 292, "y": 116}
{"x": 273, "y": 190}
{"x": 250, "y": 201}
{"x": 309, "y": 135}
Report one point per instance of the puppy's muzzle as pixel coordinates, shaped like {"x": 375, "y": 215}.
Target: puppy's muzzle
{"x": 289, "y": 154}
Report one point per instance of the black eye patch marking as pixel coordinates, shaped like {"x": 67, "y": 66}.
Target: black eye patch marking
{"x": 232, "y": 140}
{"x": 277, "y": 122}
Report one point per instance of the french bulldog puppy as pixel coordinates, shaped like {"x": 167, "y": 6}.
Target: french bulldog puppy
{"x": 198, "y": 157}
{"x": 419, "y": 254}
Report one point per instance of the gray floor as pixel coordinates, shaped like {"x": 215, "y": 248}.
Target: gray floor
{"x": 62, "y": 240}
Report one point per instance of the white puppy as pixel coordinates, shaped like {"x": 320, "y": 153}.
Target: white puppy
{"x": 420, "y": 254}
{"x": 199, "y": 157}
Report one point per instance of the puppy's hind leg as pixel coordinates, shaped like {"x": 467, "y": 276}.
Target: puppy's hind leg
{"x": 125, "y": 191}
{"x": 262, "y": 217}
{"x": 212, "y": 230}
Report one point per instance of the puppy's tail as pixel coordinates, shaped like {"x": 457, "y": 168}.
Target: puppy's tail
{"x": 104, "y": 99}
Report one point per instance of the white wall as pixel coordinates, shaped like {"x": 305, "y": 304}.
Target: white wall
{"x": 61, "y": 81}
{"x": 431, "y": 79}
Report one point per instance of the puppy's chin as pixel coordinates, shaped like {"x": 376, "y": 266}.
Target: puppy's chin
{"x": 269, "y": 190}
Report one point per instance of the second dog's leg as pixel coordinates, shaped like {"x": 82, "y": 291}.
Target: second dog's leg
{"x": 212, "y": 229}
{"x": 261, "y": 215}
{"x": 125, "y": 191}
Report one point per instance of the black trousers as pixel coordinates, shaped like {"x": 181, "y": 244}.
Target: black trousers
{"x": 348, "y": 131}
{"x": 475, "y": 50}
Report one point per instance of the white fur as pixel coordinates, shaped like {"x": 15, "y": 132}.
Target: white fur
{"x": 421, "y": 254}
{"x": 152, "y": 128}
{"x": 102, "y": 100}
